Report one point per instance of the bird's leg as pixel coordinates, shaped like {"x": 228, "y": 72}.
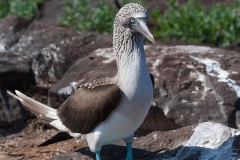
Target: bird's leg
{"x": 129, "y": 152}
{"x": 129, "y": 141}
{"x": 98, "y": 156}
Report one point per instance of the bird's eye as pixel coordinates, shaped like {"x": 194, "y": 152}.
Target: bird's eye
{"x": 132, "y": 20}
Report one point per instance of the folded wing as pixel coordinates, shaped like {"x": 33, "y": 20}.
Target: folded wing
{"x": 87, "y": 107}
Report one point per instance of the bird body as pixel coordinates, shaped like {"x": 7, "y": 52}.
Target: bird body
{"x": 109, "y": 109}
{"x": 137, "y": 94}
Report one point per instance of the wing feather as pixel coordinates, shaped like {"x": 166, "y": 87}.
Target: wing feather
{"x": 87, "y": 107}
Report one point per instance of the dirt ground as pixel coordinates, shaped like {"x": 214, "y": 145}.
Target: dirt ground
{"x": 23, "y": 144}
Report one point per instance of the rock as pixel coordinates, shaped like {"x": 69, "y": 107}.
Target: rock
{"x": 155, "y": 121}
{"x": 204, "y": 141}
{"x": 233, "y": 47}
{"x": 208, "y": 141}
{"x": 85, "y": 69}
{"x": 201, "y": 83}
{"x": 11, "y": 111}
{"x": 193, "y": 84}
{"x": 55, "y": 59}
{"x": 16, "y": 72}
{"x": 11, "y": 30}
{"x": 50, "y": 49}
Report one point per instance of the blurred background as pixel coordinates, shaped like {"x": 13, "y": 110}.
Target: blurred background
{"x": 214, "y": 22}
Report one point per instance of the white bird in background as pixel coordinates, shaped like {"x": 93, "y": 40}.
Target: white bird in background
{"x": 109, "y": 109}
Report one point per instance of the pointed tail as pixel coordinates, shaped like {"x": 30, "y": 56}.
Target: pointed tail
{"x": 47, "y": 114}
{"x": 61, "y": 136}
{"x": 42, "y": 111}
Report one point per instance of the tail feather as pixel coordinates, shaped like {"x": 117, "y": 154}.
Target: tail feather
{"x": 61, "y": 136}
{"x": 46, "y": 114}
{"x": 42, "y": 111}
{"x": 35, "y": 104}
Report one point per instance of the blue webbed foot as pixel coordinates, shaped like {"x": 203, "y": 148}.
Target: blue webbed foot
{"x": 129, "y": 152}
{"x": 98, "y": 156}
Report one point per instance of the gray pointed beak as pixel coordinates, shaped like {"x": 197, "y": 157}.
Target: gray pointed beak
{"x": 143, "y": 29}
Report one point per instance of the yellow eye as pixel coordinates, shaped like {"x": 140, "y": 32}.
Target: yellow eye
{"x": 132, "y": 20}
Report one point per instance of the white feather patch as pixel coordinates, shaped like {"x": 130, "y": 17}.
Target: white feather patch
{"x": 58, "y": 124}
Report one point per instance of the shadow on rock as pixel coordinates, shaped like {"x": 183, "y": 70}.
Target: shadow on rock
{"x": 11, "y": 111}
{"x": 234, "y": 119}
{"x": 6, "y": 131}
{"x": 117, "y": 152}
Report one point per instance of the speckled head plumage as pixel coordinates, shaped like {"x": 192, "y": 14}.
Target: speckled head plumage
{"x": 130, "y": 10}
{"x": 129, "y": 28}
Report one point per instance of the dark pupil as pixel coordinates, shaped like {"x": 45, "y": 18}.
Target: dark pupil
{"x": 132, "y": 20}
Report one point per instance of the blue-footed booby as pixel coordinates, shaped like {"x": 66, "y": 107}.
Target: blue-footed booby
{"x": 110, "y": 109}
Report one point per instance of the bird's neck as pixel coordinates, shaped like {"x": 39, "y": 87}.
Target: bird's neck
{"x": 124, "y": 41}
{"x": 131, "y": 61}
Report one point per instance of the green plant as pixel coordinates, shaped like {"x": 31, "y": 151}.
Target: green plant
{"x": 81, "y": 15}
{"x": 23, "y": 8}
{"x": 3, "y": 8}
{"x": 192, "y": 22}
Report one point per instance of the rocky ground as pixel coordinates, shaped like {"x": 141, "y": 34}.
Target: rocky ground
{"x": 194, "y": 84}
{"x": 20, "y": 142}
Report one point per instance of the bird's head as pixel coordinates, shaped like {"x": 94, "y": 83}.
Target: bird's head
{"x": 133, "y": 18}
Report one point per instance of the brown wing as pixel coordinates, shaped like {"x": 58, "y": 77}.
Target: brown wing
{"x": 87, "y": 107}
